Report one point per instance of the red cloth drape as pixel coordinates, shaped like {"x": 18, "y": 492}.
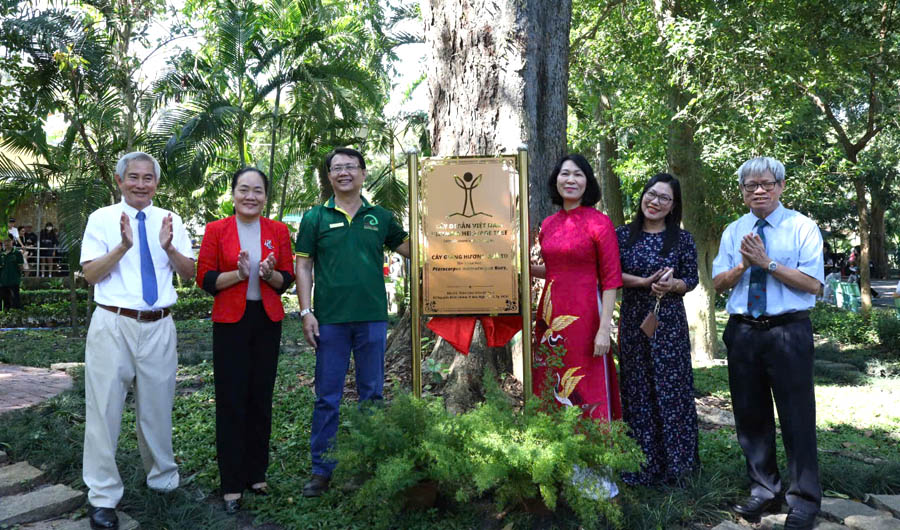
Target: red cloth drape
{"x": 458, "y": 330}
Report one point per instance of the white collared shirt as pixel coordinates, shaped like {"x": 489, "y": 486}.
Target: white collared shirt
{"x": 122, "y": 287}
{"x": 792, "y": 240}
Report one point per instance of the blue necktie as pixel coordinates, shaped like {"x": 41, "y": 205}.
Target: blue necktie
{"x": 756, "y": 295}
{"x": 148, "y": 272}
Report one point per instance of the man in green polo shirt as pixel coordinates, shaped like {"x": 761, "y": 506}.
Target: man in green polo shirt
{"x": 11, "y": 264}
{"x": 341, "y": 244}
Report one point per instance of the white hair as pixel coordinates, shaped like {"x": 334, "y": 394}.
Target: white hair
{"x": 758, "y": 166}
{"x": 122, "y": 164}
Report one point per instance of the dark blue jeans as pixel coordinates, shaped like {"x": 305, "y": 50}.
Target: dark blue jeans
{"x": 367, "y": 341}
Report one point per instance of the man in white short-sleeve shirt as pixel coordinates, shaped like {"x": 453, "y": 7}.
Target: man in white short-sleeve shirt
{"x": 129, "y": 252}
{"x": 771, "y": 259}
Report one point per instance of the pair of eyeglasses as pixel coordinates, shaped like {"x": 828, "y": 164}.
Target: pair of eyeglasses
{"x": 343, "y": 167}
{"x": 653, "y": 196}
{"x": 768, "y": 185}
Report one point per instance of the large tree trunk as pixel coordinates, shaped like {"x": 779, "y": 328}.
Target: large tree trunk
{"x": 498, "y": 75}
{"x": 877, "y": 247}
{"x": 862, "y": 210}
{"x": 497, "y": 79}
{"x": 325, "y": 189}
{"x": 684, "y": 162}
{"x": 610, "y": 185}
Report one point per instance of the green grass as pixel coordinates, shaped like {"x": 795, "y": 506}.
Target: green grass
{"x": 41, "y": 347}
{"x": 857, "y": 419}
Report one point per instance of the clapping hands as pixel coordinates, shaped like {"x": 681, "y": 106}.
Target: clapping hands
{"x": 267, "y": 267}
{"x": 166, "y": 233}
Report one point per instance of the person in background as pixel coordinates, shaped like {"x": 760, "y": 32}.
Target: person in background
{"x": 29, "y": 238}
{"x": 659, "y": 266}
{"x": 246, "y": 262}
{"x": 49, "y": 242}
{"x": 11, "y": 264}
{"x": 13, "y": 232}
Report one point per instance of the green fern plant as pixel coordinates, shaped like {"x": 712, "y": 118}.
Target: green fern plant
{"x": 490, "y": 450}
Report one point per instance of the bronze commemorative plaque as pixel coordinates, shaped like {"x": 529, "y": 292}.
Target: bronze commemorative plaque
{"x": 471, "y": 239}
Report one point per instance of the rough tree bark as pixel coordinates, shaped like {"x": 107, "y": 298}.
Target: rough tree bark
{"x": 878, "y": 249}
{"x": 881, "y": 191}
{"x": 325, "y": 189}
{"x": 498, "y": 75}
{"x": 610, "y": 185}
{"x": 862, "y": 211}
{"x": 684, "y": 162}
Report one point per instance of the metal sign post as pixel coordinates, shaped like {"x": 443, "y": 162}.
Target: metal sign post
{"x": 525, "y": 270}
{"x": 415, "y": 273}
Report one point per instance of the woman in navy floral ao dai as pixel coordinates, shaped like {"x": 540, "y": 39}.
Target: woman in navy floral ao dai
{"x": 657, "y": 383}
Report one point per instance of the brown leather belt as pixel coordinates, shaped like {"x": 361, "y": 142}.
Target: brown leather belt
{"x": 140, "y": 316}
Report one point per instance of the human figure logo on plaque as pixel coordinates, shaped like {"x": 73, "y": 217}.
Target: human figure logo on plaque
{"x": 468, "y": 183}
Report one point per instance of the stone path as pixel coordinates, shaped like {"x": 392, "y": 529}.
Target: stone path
{"x": 878, "y": 512}
{"x": 23, "y": 386}
{"x": 884, "y": 288}
{"x": 27, "y": 500}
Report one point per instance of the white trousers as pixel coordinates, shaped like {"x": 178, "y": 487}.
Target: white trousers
{"x": 122, "y": 353}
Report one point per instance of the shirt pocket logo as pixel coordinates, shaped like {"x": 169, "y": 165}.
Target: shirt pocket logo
{"x": 370, "y": 222}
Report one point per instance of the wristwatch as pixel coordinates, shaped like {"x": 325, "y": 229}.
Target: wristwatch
{"x": 772, "y": 266}
{"x": 304, "y": 312}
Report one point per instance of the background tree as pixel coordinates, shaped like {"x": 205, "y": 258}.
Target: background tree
{"x": 845, "y": 57}
{"x": 321, "y": 63}
{"x": 695, "y": 87}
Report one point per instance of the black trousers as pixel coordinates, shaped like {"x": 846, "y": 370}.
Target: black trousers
{"x": 767, "y": 363}
{"x": 9, "y": 298}
{"x": 245, "y": 359}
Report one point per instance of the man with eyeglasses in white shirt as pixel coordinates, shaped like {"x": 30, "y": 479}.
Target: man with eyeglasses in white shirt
{"x": 771, "y": 259}
{"x": 343, "y": 242}
{"x": 129, "y": 252}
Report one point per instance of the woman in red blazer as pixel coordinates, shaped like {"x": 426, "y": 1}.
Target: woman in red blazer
{"x": 245, "y": 261}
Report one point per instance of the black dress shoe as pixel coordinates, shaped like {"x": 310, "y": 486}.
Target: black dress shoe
{"x": 232, "y": 506}
{"x": 799, "y": 520}
{"x": 317, "y": 485}
{"x": 103, "y": 518}
{"x": 753, "y": 507}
